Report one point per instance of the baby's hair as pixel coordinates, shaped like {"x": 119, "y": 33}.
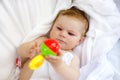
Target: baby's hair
{"x": 75, "y": 13}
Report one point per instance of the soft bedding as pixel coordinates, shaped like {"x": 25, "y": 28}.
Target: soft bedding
{"x": 25, "y": 20}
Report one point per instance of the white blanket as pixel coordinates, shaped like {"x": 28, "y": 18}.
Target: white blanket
{"x": 25, "y": 20}
{"x": 102, "y": 36}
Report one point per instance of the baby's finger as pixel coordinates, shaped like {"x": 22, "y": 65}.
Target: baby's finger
{"x": 38, "y": 50}
{"x": 51, "y": 59}
{"x": 32, "y": 53}
{"x": 31, "y": 50}
{"x": 34, "y": 44}
{"x": 60, "y": 53}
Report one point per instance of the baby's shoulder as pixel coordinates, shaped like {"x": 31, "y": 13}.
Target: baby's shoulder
{"x": 67, "y": 57}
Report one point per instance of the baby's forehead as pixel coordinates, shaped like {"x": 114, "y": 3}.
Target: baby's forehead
{"x": 83, "y": 22}
{"x": 79, "y": 22}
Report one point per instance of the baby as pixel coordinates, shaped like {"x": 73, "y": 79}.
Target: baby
{"x": 68, "y": 29}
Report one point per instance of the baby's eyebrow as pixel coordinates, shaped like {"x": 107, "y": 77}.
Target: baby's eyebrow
{"x": 59, "y": 25}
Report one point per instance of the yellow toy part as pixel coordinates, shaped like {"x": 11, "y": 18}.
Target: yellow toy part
{"x": 36, "y": 62}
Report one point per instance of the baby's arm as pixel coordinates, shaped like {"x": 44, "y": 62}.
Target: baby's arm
{"x": 29, "y": 49}
{"x": 25, "y": 51}
{"x": 25, "y": 73}
{"x": 67, "y": 72}
{"x": 71, "y": 72}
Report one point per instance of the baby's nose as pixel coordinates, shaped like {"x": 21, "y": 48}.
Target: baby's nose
{"x": 63, "y": 34}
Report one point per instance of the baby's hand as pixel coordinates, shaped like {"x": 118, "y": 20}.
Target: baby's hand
{"x": 35, "y": 49}
{"x": 55, "y": 60}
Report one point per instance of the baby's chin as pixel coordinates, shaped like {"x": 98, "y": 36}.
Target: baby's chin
{"x": 64, "y": 47}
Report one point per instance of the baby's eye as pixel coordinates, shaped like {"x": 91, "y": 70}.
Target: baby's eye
{"x": 59, "y": 28}
{"x": 71, "y": 34}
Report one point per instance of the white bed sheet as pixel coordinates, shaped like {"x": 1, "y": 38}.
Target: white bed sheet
{"x": 17, "y": 19}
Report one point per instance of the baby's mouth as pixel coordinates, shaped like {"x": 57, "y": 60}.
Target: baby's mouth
{"x": 60, "y": 41}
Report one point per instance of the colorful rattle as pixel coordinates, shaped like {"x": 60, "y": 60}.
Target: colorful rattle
{"x": 49, "y": 47}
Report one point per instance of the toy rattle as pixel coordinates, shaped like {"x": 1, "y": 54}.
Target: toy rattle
{"x": 48, "y": 47}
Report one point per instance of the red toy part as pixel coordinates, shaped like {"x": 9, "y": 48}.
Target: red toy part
{"x": 53, "y": 45}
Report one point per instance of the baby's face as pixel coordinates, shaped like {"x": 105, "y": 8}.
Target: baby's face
{"x": 67, "y": 31}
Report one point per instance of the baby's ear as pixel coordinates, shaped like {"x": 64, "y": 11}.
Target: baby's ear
{"x": 82, "y": 39}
